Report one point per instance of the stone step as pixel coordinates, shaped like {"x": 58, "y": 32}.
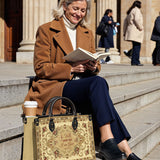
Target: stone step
{"x": 154, "y": 154}
{"x": 11, "y": 131}
{"x": 130, "y": 97}
{"x": 127, "y": 90}
{"x": 144, "y": 126}
{"x": 123, "y": 74}
{"x": 13, "y": 90}
{"x": 126, "y": 98}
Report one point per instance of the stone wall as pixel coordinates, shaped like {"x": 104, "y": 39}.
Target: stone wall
{"x": 34, "y": 14}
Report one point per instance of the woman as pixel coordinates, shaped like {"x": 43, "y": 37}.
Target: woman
{"x": 134, "y": 31}
{"x": 77, "y": 81}
{"x": 107, "y": 41}
{"x": 156, "y": 37}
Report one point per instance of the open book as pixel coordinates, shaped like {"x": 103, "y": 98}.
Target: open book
{"x": 80, "y": 55}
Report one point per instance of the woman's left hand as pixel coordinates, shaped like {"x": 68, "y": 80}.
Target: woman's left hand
{"x": 92, "y": 65}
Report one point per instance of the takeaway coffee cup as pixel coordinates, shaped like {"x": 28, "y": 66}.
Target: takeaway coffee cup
{"x": 30, "y": 108}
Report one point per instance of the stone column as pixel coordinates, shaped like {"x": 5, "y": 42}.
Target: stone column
{"x": 102, "y": 5}
{"x": 2, "y": 31}
{"x": 35, "y": 13}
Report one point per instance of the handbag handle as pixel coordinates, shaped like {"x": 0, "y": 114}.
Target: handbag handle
{"x": 51, "y": 102}
{"x": 67, "y": 102}
{"x": 47, "y": 105}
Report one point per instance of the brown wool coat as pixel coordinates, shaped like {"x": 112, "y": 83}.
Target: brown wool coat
{"x": 133, "y": 26}
{"x": 52, "y": 42}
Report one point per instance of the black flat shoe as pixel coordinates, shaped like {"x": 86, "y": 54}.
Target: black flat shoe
{"x": 132, "y": 156}
{"x": 137, "y": 64}
{"x": 128, "y": 53}
{"x": 109, "y": 150}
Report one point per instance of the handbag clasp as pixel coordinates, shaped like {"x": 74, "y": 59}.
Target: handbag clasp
{"x": 51, "y": 125}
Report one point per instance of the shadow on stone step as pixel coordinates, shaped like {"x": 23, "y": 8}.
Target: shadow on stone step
{"x": 31, "y": 78}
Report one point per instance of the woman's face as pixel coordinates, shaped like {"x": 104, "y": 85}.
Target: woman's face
{"x": 75, "y": 11}
{"x": 110, "y": 14}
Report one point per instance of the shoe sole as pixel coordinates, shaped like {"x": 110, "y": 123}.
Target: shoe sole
{"x": 105, "y": 156}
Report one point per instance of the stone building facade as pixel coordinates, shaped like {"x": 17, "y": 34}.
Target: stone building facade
{"x": 19, "y": 20}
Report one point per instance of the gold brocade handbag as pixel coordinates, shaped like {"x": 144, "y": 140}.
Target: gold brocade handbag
{"x": 64, "y": 137}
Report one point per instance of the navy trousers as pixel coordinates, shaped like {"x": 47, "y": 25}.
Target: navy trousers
{"x": 136, "y": 52}
{"x": 91, "y": 96}
{"x": 156, "y": 54}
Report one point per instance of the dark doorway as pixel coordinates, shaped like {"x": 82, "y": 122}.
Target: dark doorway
{"x": 13, "y": 28}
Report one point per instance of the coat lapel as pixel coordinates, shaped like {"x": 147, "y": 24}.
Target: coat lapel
{"x": 61, "y": 36}
{"x": 82, "y": 37}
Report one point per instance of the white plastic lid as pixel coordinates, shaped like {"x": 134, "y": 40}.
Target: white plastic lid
{"x": 30, "y": 103}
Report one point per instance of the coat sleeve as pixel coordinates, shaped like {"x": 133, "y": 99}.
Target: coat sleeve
{"x": 138, "y": 19}
{"x": 42, "y": 59}
{"x": 93, "y": 51}
{"x": 105, "y": 19}
{"x": 157, "y": 24}
{"x": 125, "y": 25}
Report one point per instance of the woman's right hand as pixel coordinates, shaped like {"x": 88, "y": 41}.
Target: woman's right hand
{"x": 79, "y": 67}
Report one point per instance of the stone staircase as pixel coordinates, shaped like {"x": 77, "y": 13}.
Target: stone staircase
{"x": 135, "y": 92}
{"x": 136, "y": 96}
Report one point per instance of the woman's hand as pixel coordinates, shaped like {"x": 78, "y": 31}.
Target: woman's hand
{"x": 109, "y": 22}
{"x": 92, "y": 65}
{"x": 79, "y": 67}
{"x": 82, "y": 66}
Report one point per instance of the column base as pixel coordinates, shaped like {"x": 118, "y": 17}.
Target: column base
{"x": 24, "y": 57}
{"x": 1, "y": 60}
{"x": 146, "y": 60}
{"x": 115, "y": 55}
{"x": 143, "y": 60}
{"x": 125, "y": 60}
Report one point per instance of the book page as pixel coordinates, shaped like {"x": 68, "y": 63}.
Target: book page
{"x": 80, "y": 55}
{"x": 101, "y": 55}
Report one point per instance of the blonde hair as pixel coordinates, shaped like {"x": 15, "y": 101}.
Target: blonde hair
{"x": 58, "y": 12}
